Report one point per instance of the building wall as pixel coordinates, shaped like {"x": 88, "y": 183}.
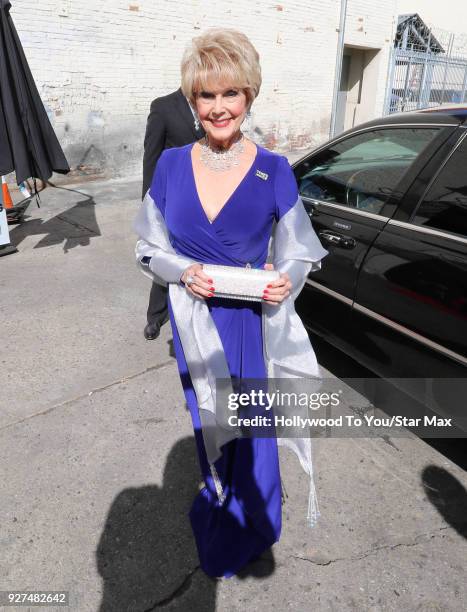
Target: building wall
{"x": 372, "y": 25}
{"x": 98, "y": 66}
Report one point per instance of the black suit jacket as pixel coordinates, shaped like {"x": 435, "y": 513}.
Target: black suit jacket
{"x": 170, "y": 124}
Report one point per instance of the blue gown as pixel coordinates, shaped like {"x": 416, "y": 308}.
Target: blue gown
{"x": 231, "y": 534}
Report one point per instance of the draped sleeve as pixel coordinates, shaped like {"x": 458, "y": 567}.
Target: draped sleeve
{"x": 297, "y": 248}
{"x": 154, "y": 253}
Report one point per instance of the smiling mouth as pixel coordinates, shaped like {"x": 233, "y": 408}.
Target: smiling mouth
{"x": 222, "y": 123}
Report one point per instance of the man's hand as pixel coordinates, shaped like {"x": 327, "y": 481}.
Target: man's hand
{"x": 278, "y": 290}
{"x": 201, "y": 285}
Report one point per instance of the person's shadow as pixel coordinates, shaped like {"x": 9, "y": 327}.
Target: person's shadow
{"x": 73, "y": 227}
{"x": 146, "y": 555}
{"x": 447, "y": 495}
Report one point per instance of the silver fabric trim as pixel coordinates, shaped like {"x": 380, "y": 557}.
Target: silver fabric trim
{"x": 217, "y": 484}
{"x": 294, "y": 248}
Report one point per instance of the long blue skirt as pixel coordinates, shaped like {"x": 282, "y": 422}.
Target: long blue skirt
{"x": 229, "y": 535}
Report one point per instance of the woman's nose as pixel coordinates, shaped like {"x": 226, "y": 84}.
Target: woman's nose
{"x": 218, "y": 104}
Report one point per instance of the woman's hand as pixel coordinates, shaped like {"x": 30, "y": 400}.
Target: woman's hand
{"x": 201, "y": 285}
{"x": 277, "y": 290}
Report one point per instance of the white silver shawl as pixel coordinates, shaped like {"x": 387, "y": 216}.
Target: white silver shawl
{"x": 294, "y": 248}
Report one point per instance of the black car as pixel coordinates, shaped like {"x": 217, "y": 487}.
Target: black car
{"x": 388, "y": 200}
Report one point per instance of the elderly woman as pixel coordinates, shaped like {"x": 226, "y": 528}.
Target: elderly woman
{"x": 226, "y": 200}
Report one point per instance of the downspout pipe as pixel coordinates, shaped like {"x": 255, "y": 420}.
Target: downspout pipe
{"x": 338, "y": 71}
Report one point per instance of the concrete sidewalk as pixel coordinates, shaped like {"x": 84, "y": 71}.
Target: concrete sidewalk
{"x": 99, "y": 463}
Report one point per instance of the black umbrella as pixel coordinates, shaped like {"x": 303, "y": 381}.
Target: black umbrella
{"x": 28, "y": 144}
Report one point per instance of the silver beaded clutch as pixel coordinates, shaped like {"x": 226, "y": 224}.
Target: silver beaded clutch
{"x": 239, "y": 283}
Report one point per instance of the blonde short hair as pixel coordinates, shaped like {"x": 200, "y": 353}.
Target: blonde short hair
{"x": 221, "y": 55}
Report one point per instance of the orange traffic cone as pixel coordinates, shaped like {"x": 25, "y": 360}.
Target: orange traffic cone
{"x": 7, "y": 201}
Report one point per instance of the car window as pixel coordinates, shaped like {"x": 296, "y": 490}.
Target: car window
{"x": 363, "y": 170}
{"x": 444, "y": 206}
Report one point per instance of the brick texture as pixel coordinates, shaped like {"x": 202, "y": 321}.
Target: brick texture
{"x": 98, "y": 66}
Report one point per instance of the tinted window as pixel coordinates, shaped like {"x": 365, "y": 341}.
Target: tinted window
{"x": 361, "y": 171}
{"x": 444, "y": 206}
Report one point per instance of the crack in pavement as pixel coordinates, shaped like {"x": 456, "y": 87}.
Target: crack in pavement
{"x": 180, "y": 590}
{"x": 159, "y": 366}
{"x": 372, "y": 551}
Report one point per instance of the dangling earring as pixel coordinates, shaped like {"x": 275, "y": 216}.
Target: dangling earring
{"x": 247, "y": 122}
{"x": 195, "y": 114}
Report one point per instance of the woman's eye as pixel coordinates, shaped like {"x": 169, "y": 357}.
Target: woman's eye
{"x": 206, "y": 95}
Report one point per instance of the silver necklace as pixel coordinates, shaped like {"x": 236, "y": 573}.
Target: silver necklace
{"x": 221, "y": 159}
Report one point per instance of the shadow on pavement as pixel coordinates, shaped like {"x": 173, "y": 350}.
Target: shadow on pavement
{"x": 263, "y": 567}
{"x": 73, "y": 227}
{"x": 448, "y": 496}
{"x": 146, "y": 555}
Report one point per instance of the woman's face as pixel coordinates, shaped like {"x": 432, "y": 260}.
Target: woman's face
{"x": 221, "y": 110}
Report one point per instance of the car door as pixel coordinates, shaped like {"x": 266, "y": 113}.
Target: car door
{"x": 350, "y": 189}
{"x": 411, "y": 297}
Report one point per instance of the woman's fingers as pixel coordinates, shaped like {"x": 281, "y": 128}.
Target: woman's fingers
{"x": 199, "y": 292}
{"x": 275, "y": 299}
{"x": 201, "y": 285}
{"x": 277, "y": 294}
{"x": 205, "y": 291}
{"x": 200, "y": 273}
{"x": 278, "y": 290}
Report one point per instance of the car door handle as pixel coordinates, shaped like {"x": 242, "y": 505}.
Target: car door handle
{"x": 345, "y": 242}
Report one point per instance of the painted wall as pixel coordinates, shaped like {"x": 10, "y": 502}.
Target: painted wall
{"x": 98, "y": 66}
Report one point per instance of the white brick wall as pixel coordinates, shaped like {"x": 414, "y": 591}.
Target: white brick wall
{"x": 373, "y": 25}
{"x": 99, "y": 65}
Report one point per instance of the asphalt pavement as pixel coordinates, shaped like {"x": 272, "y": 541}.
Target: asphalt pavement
{"x": 99, "y": 467}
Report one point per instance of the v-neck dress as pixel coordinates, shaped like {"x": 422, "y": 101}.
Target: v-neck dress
{"x": 228, "y": 535}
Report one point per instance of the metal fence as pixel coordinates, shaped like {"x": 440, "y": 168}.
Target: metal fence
{"x": 425, "y": 70}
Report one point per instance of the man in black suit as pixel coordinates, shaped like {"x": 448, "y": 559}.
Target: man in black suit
{"x": 170, "y": 124}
